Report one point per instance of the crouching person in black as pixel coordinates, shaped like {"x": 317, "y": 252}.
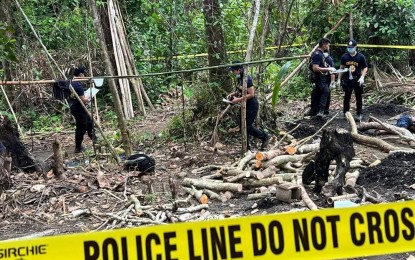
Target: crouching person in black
{"x": 252, "y": 105}
{"x": 82, "y": 120}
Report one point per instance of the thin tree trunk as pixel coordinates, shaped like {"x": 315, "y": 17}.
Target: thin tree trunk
{"x": 265, "y": 31}
{"x": 351, "y": 24}
{"x": 216, "y": 44}
{"x": 113, "y": 88}
{"x": 248, "y": 59}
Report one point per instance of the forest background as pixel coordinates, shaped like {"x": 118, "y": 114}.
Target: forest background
{"x": 182, "y": 35}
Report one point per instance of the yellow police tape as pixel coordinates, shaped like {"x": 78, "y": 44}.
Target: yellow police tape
{"x": 322, "y": 234}
{"x": 405, "y": 47}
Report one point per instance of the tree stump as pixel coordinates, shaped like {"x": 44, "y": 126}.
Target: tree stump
{"x": 336, "y": 144}
{"x": 21, "y": 157}
{"x": 5, "y": 166}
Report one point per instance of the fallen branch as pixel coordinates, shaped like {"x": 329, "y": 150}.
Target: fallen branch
{"x": 212, "y": 185}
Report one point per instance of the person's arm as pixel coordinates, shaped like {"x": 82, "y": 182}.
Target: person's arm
{"x": 250, "y": 93}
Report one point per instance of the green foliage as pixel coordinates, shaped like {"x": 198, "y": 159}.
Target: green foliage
{"x": 45, "y": 123}
{"x": 7, "y": 48}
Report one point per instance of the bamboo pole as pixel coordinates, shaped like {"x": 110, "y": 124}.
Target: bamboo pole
{"x": 50, "y": 81}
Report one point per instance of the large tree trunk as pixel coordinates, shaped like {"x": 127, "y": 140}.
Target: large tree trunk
{"x": 21, "y": 158}
{"x": 216, "y": 44}
{"x": 113, "y": 88}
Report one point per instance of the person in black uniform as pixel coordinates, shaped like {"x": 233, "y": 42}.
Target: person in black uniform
{"x": 82, "y": 120}
{"x": 322, "y": 79}
{"x": 252, "y": 104}
{"x": 354, "y": 79}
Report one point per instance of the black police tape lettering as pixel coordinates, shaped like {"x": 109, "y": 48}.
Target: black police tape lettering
{"x": 93, "y": 251}
{"x": 275, "y": 230}
{"x": 13, "y": 252}
{"x": 394, "y": 224}
{"x": 218, "y": 243}
{"x": 318, "y": 230}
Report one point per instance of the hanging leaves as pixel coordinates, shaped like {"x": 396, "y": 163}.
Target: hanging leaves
{"x": 278, "y": 80}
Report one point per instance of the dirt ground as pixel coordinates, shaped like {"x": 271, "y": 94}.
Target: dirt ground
{"x": 36, "y": 204}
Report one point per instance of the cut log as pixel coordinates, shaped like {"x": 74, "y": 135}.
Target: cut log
{"x": 290, "y": 149}
{"x": 264, "y": 182}
{"x": 265, "y": 156}
{"x": 351, "y": 179}
{"x": 213, "y": 195}
{"x": 331, "y": 200}
{"x": 268, "y": 172}
{"x": 306, "y": 199}
{"x": 248, "y": 156}
{"x": 202, "y": 198}
{"x": 335, "y": 144}
{"x": 212, "y": 185}
{"x": 279, "y": 160}
{"x": 307, "y": 148}
{"x": 246, "y": 174}
{"x": 57, "y": 159}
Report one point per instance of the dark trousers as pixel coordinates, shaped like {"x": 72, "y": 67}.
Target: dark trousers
{"x": 320, "y": 97}
{"x": 83, "y": 124}
{"x": 250, "y": 128}
{"x": 348, "y": 87}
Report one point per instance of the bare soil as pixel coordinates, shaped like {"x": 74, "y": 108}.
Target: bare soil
{"x": 38, "y": 204}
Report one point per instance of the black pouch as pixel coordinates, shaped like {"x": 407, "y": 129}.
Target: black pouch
{"x": 140, "y": 162}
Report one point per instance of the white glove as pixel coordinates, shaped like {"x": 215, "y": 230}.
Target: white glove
{"x": 361, "y": 80}
{"x": 338, "y": 83}
{"x": 332, "y": 85}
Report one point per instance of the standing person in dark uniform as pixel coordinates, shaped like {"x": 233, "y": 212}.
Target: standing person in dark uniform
{"x": 322, "y": 78}
{"x": 354, "y": 78}
{"x": 252, "y": 104}
{"x": 82, "y": 120}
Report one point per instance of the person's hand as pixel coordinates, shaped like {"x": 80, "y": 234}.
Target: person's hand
{"x": 338, "y": 83}
{"x": 236, "y": 100}
{"x": 230, "y": 97}
{"x": 332, "y": 85}
{"x": 331, "y": 69}
{"x": 361, "y": 80}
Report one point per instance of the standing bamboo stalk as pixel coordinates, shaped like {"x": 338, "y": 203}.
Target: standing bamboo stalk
{"x": 113, "y": 88}
{"x": 245, "y": 79}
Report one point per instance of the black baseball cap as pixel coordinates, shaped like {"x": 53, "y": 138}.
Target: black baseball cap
{"x": 235, "y": 67}
{"x": 79, "y": 70}
{"x": 352, "y": 43}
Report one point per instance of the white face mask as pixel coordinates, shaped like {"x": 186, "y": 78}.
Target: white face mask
{"x": 351, "y": 49}
{"x": 325, "y": 54}
{"x": 238, "y": 76}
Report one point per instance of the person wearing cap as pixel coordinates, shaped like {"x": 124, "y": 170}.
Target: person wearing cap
{"x": 354, "y": 79}
{"x": 82, "y": 120}
{"x": 322, "y": 79}
{"x": 252, "y": 104}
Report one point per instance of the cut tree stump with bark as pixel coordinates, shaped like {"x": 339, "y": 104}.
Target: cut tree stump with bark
{"x": 21, "y": 158}
{"x": 336, "y": 144}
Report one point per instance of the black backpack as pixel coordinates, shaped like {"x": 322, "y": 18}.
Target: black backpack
{"x": 140, "y": 162}
{"x": 60, "y": 89}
